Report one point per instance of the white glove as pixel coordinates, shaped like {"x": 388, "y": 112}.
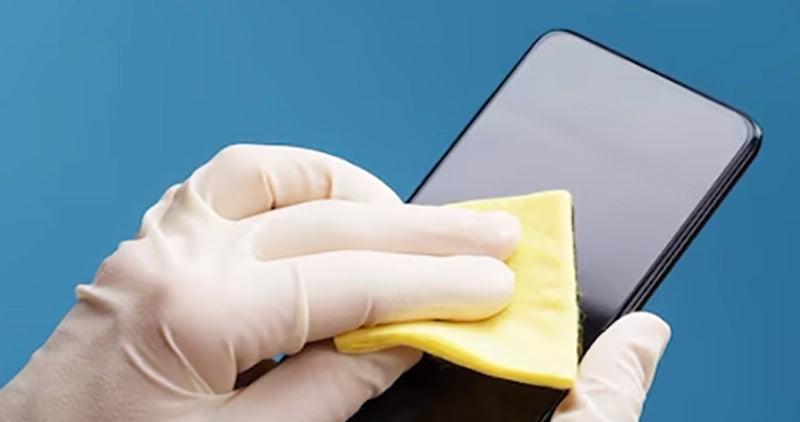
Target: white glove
{"x": 617, "y": 371}
{"x": 263, "y": 250}
{"x": 268, "y": 250}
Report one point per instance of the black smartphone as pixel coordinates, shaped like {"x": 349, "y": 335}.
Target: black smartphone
{"x": 647, "y": 160}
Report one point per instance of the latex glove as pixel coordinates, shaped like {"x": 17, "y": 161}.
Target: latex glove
{"x": 263, "y": 250}
{"x": 616, "y": 372}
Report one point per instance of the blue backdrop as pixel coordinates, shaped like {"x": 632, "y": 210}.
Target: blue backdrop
{"x": 102, "y": 106}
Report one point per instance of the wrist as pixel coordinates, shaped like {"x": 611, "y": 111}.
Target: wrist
{"x": 20, "y": 399}
{"x": 53, "y": 384}
{"x": 12, "y": 403}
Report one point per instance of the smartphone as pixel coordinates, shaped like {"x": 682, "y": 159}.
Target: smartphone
{"x": 647, "y": 160}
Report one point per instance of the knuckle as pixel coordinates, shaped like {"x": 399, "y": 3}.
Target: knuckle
{"x": 153, "y": 215}
{"x": 236, "y": 152}
{"x": 169, "y": 194}
{"x": 134, "y": 269}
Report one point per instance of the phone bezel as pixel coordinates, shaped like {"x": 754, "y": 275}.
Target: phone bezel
{"x": 699, "y": 216}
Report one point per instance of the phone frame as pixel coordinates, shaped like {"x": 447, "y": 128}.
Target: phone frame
{"x": 690, "y": 228}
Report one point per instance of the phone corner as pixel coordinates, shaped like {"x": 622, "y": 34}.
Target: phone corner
{"x": 557, "y": 32}
{"x": 755, "y": 131}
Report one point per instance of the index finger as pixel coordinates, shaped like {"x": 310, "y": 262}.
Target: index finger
{"x": 246, "y": 179}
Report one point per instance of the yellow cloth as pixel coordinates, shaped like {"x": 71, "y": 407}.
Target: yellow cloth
{"x": 534, "y": 340}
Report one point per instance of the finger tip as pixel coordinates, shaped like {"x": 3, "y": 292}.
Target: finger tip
{"x": 506, "y": 231}
{"x": 488, "y": 290}
{"x": 654, "y": 324}
{"x": 652, "y": 330}
{"x": 502, "y": 281}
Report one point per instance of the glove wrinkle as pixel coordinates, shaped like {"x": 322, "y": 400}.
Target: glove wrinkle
{"x": 197, "y": 383}
{"x": 369, "y": 315}
{"x": 302, "y": 311}
{"x": 268, "y": 187}
{"x": 149, "y": 373}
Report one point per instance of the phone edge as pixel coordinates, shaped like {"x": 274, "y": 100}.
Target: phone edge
{"x": 696, "y": 220}
{"x": 685, "y": 235}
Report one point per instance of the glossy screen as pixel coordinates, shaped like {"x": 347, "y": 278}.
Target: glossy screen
{"x": 638, "y": 152}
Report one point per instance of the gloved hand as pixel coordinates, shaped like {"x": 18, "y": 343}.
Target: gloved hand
{"x": 269, "y": 250}
{"x": 263, "y": 250}
{"x": 616, "y": 371}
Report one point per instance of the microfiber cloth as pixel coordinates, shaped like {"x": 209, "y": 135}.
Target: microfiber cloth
{"x": 535, "y": 339}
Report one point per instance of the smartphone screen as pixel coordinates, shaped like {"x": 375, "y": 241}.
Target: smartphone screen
{"x": 646, "y": 160}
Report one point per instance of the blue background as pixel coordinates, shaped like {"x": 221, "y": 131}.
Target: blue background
{"x": 103, "y": 105}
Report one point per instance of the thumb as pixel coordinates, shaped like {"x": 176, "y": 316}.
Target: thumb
{"x": 617, "y": 371}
